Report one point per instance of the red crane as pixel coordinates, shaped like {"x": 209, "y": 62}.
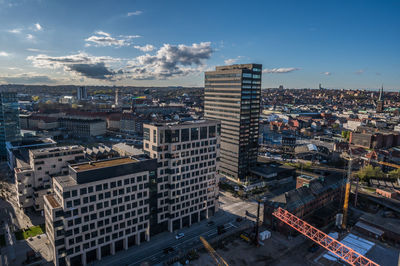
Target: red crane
{"x": 345, "y": 253}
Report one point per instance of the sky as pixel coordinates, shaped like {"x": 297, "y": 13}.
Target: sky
{"x": 340, "y": 44}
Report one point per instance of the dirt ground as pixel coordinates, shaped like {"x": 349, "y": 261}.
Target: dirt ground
{"x": 277, "y": 250}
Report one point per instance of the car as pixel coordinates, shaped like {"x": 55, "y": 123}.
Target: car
{"x": 179, "y": 236}
{"x": 168, "y": 250}
{"x": 210, "y": 223}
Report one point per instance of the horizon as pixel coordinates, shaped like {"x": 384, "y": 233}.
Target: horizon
{"x": 340, "y": 44}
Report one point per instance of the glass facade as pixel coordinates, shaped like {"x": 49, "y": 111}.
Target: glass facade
{"x": 232, "y": 96}
{"x": 9, "y": 119}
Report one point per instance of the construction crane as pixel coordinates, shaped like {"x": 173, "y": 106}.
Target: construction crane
{"x": 217, "y": 258}
{"x": 347, "y": 194}
{"x": 387, "y": 164}
{"x": 342, "y": 251}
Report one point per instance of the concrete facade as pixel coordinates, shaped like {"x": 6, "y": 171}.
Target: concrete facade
{"x": 33, "y": 177}
{"x": 187, "y": 182}
{"x": 99, "y": 209}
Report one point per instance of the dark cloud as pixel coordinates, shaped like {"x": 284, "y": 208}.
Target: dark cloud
{"x": 27, "y": 79}
{"x": 94, "y": 71}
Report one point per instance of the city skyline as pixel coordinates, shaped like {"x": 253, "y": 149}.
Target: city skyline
{"x": 337, "y": 44}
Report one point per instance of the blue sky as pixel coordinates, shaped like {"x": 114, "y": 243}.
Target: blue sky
{"x": 341, "y": 44}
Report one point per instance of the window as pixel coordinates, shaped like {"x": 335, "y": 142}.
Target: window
{"x": 185, "y": 134}
{"x": 83, "y": 191}
{"x": 194, "y": 133}
{"x": 212, "y": 131}
{"x": 247, "y": 75}
{"x": 203, "y": 132}
{"x": 146, "y": 134}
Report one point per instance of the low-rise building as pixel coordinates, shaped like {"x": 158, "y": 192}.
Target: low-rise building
{"x": 98, "y": 209}
{"x": 316, "y": 196}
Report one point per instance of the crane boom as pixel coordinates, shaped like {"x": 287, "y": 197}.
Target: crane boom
{"x": 217, "y": 258}
{"x": 345, "y": 253}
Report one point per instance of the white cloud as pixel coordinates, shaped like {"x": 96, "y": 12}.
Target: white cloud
{"x": 134, "y": 13}
{"x": 102, "y": 39}
{"x": 326, "y": 73}
{"x": 231, "y": 61}
{"x": 15, "y": 31}
{"x": 15, "y": 68}
{"x": 38, "y": 27}
{"x": 145, "y": 48}
{"x": 360, "y": 71}
{"x": 4, "y": 54}
{"x": 281, "y": 70}
{"x": 170, "y": 61}
{"x": 35, "y": 50}
{"x": 30, "y": 37}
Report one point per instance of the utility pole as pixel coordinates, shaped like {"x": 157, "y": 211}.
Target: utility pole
{"x": 256, "y": 238}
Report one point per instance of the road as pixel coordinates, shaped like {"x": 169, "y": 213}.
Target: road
{"x": 152, "y": 251}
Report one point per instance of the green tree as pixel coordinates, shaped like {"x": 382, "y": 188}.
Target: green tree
{"x": 368, "y": 172}
{"x": 394, "y": 174}
{"x": 346, "y": 134}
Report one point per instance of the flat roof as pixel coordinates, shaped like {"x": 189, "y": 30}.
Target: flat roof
{"x": 65, "y": 181}
{"x": 53, "y": 202}
{"x": 55, "y": 149}
{"x": 102, "y": 164}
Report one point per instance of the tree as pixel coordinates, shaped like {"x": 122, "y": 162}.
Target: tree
{"x": 346, "y": 135}
{"x": 35, "y": 98}
{"x": 368, "y": 172}
{"x": 394, "y": 174}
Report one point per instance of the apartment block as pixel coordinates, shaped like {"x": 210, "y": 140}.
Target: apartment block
{"x": 232, "y": 96}
{"x": 35, "y": 169}
{"x": 187, "y": 182}
{"x": 98, "y": 209}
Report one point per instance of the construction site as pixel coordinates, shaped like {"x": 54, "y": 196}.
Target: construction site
{"x": 326, "y": 220}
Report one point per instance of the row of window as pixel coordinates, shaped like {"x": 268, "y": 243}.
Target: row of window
{"x": 104, "y": 186}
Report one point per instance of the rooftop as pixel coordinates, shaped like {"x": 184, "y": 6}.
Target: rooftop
{"x": 102, "y": 164}
{"x": 55, "y": 149}
{"x": 65, "y": 180}
{"x": 53, "y": 202}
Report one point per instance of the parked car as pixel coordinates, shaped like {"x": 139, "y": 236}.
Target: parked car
{"x": 179, "y": 236}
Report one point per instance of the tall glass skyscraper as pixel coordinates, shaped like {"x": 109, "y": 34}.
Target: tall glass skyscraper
{"x": 9, "y": 120}
{"x": 232, "y": 96}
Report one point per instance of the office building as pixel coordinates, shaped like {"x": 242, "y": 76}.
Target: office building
{"x": 98, "y": 209}
{"x": 9, "y": 120}
{"x": 232, "y": 96}
{"x": 79, "y": 127}
{"x": 187, "y": 182}
{"x": 81, "y": 93}
{"x": 35, "y": 169}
